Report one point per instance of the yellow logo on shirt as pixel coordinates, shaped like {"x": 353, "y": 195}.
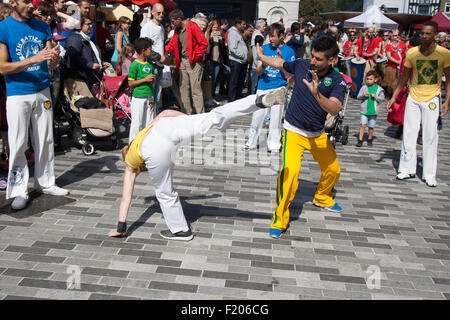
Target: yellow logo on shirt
{"x": 47, "y": 105}
{"x": 432, "y": 106}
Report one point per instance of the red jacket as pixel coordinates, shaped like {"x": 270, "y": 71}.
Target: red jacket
{"x": 196, "y": 44}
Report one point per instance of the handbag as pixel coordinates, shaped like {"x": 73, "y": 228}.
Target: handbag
{"x": 166, "y": 79}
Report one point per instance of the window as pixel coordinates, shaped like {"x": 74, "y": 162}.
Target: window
{"x": 447, "y": 7}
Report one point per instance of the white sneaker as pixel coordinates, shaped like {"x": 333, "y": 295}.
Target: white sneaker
{"x": 272, "y": 98}
{"x": 405, "y": 176}
{"x": 19, "y": 203}
{"x": 55, "y": 191}
{"x": 431, "y": 183}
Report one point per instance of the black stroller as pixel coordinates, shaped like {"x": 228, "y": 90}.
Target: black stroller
{"x": 334, "y": 127}
{"x": 87, "y": 127}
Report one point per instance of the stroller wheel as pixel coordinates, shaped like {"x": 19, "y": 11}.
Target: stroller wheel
{"x": 88, "y": 149}
{"x": 344, "y": 138}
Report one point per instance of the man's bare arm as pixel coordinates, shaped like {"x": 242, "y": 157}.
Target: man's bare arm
{"x": 7, "y": 67}
{"x": 403, "y": 81}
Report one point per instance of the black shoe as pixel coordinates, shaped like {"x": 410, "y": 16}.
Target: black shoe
{"x": 369, "y": 142}
{"x": 180, "y": 235}
{"x": 359, "y": 144}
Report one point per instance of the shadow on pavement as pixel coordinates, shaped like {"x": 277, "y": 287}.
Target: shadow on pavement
{"x": 37, "y": 204}
{"x": 202, "y": 212}
{"x": 86, "y": 169}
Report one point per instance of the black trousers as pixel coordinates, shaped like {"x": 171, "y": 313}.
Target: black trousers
{"x": 237, "y": 78}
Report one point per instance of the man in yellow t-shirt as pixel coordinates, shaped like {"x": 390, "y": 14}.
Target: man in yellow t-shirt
{"x": 426, "y": 62}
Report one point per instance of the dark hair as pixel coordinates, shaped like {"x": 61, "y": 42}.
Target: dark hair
{"x": 142, "y": 44}
{"x": 45, "y": 8}
{"x": 238, "y": 21}
{"x": 259, "y": 40}
{"x": 432, "y": 24}
{"x": 371, "y": 73}
{"x": 83, "y": 20}
{"x": 415, "y": 39}
{"x": 276, "y": 27}
{"x": 327, "y": 45}
{"x": 176, "y": 14}
{"x": 295, "y": 27}
{"x": 121, "y": 21}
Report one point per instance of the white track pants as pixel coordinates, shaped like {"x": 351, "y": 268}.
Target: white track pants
{"x": 428, "y": 114}
{"x": 159, "y": 146}
{"x": 21, "y": 110}
{"x": 142, "y": 114}
{"x": 274, "y": 138}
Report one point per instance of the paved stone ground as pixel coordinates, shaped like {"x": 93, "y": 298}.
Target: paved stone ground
{"x": 401, "y": 229}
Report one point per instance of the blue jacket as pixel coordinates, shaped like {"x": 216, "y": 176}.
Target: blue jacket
{"x": 80, "y": 59}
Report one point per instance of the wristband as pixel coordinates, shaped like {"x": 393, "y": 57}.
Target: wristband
{"x": 122, "y": 227}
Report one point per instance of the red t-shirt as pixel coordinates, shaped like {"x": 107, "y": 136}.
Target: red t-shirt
{"x": 347, "y": 48}
{"x": 397, "y": 52}
{"x": 369, "y": 47}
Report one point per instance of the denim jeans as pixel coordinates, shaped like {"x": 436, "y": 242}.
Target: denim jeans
{"x": 215, "y": 67}
{"x": 253, "y": 81}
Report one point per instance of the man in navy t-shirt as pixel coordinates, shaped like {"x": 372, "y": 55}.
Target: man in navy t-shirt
{"x": 270, "y": 79}
{"x": 25, "y": 51}
{"x": 318, "y": 90}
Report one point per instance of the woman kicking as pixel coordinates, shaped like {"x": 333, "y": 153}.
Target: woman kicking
{"x": 154, "y": 147}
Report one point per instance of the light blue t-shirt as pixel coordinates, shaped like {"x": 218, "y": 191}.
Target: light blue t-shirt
{"x": 273, "y": 78}
{"x": 25, "y": 40}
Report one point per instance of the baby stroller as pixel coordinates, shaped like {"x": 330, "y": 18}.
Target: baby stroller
{"x": 334, "y": 127}
{"x": 115, "y": 90}
{"x": 83, "y": 118}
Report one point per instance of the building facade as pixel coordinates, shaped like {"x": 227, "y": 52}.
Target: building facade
{"x": 422, "y": 7}
{"x": 274, "y": 10}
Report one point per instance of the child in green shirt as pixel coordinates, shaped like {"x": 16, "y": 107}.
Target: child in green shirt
{"x": 141, "y": 77}
{"x": 370, "y": 94}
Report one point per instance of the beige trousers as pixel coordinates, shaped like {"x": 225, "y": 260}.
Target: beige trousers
{"x": 191, "y": 86}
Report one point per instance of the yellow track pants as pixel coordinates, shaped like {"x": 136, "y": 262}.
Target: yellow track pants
{"x": 294, "y": 145}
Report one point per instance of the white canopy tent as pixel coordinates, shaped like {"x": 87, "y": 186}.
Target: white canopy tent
{"x": 373, "y": 17}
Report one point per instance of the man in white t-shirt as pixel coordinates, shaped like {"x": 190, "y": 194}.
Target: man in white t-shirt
{"x": 155, "y": 30}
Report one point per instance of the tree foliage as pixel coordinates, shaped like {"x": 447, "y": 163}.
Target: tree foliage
{"x": 349, "y": 5}
{"x": 311, "y": 9}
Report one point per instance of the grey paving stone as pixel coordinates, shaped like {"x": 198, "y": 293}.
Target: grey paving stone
{"x": 27, "y": 273}
{"x": 173, "y": 286}
{"x": 105, "y": 272}
{"x": 100, "y": 296}
{"x": 225, "y": 275}
{"x": 41, "y": 258}
{"x": 249, "y": 285}
{"x": 339, "y": 278}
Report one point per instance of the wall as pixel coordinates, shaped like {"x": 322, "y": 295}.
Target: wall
{"x": 402, "y": 5}
{"x": 271, "y": 10}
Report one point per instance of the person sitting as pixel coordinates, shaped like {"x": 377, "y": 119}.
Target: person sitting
{"x": 83, "y": 56}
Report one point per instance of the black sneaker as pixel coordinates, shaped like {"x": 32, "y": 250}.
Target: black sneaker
{"x": 359, "y": 144}
{"x": 180, "y": 235}
{"x": 369, "y": 142}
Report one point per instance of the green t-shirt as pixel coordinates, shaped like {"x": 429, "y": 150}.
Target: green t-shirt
{"x": 139, "y": 70}
{"x": 371, "y": 101}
